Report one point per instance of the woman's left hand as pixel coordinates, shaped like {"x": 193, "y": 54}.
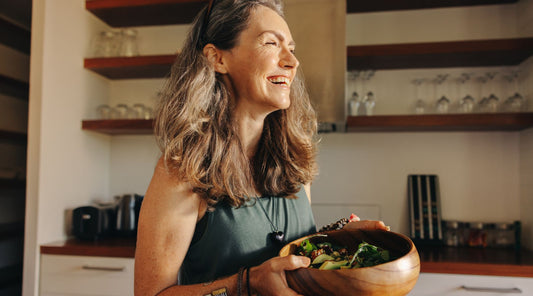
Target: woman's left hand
{"x": 356, "y": 223}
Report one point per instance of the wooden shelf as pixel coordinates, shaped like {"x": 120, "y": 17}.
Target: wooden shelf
{"x": 357, "y": 6}
{"x": 131, "y": 13}
{"x": 440, "y": 122}
{"x": 12, "y": 184}
{"x": 16, "y": 137}
{"x": 14, "y": 87}
{"x": 120, "y": 126}
{"x": 156, "y": 66}
{"x": 15, "y": 36}
{"x": 495, "y": 52}
{"x": 127, "y": 13}
{"x": 109, "y": 247}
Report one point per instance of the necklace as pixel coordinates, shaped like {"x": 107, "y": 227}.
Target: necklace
{"x": 276, "y": 236}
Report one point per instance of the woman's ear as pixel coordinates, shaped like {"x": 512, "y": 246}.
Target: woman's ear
{"x": 214, "y": 56}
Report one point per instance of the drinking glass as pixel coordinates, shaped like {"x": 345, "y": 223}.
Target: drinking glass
{"x": 129, "y": 46}
{"x": 420, "y": 105}
{"x": 466, "y": 102}
{"x": 482, "y": 96}
{"x": 493, "y": 102}
{"x": 122, "y": 111}
{"x": 442, "y": 104}
{"x": 370, "y": 103}
{"x": 354, "y": 104}
{"x": 103, "y": 111}
{"x": 515, "y": 102}
{"x": 138, "y": 110}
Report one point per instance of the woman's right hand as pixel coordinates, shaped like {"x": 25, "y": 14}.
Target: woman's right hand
{"x": 268, "y": 279}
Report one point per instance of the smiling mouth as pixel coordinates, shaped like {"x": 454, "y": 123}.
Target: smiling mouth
{"x": 280, "y": 80}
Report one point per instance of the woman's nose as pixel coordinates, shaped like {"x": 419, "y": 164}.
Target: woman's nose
{"x": 288, "y": 59}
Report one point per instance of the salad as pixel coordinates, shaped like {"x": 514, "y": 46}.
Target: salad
{"x": 327, "y": 255}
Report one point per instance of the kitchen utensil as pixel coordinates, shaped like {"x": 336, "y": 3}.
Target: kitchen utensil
{"x": 128, "y": 207}
{"x": 93, "y": 222}
{"x": 393, "y": 278}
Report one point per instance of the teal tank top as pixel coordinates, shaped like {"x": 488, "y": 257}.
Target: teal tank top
{"x": 230, "y": 238}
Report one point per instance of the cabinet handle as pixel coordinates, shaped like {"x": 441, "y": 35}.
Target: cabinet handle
{"x": 104, "y": 268}
{"x": 492, "y": 290}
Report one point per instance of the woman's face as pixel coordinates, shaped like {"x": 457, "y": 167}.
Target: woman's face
{"x": 262, "y": 66}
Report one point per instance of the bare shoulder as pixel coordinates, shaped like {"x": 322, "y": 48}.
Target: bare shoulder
{"x": 166, "y": 225}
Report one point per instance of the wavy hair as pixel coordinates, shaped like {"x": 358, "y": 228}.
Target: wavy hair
{"x": 193, "y": 124}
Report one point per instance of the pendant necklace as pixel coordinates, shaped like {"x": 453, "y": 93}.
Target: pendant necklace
{"x": 276, "y": 236}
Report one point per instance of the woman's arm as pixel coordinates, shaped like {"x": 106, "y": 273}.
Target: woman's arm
{"x": 166, "y": 226}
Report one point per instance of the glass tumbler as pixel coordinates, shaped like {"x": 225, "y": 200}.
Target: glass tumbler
{"x": 129, "y": 46}
{"x": 103, "y": 111}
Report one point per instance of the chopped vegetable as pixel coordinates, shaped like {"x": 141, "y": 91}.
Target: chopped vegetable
{"x": 327, "y": 255}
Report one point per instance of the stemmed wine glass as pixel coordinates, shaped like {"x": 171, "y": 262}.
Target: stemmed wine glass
{"x": 355, "y": 101}
{"x": 369, "y": 100}
{"x": 420, "y": 105}
{"x": 493, "y": 102}
{"x": 443, "y": 103}
{"x": 466, "y": 101}
{"x": 483, "y": 98}
{"x": 515, "y": 101}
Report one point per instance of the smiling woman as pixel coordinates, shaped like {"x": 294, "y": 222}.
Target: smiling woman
{"x": 237, "y": 134}
{"x": 236, "y": 130}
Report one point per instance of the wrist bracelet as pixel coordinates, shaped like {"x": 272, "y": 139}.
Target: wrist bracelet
{"x": 248, "y": 281}
{"x": 335, "y": 225}
{"x": 239, "y": 281}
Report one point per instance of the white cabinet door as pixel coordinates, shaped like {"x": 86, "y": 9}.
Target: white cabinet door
{"x": 437, "y": 284}
{"x": 86, "y": 275}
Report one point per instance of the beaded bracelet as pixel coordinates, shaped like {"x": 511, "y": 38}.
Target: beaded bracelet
{"x": 239, "y": 281}
{"x": 335, "y": 225}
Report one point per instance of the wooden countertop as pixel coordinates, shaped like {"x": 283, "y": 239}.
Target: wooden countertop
{"x": 111, "y": 247}
{"x": 455, "y": 260}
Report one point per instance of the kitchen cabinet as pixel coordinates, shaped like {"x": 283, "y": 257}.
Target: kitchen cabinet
{"x": 86, "y": 275}
{"x": 470, "y": 285}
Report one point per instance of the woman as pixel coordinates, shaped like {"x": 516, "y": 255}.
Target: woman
{"x": 236, "y": 129}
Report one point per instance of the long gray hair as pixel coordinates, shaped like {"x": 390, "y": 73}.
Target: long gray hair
{"x": 193, "y": 124}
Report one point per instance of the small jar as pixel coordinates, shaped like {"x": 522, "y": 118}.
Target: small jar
{"x": 477, "y": 234}
{"x": 504, "y": 235}
{"x": 453, "y": 233}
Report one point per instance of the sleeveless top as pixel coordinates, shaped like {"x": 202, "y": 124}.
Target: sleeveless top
{"x": 229, "y": 238}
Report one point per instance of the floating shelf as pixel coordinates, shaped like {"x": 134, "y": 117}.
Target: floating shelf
{"x": 131, "y": 13}
{"x": 12, "y": 136}
{"x": 12, "y": 184}
{"x": 495, "y": 52}
{"x": 155, "y": 66}
{"x": 14, "y": 88}
{"x": 357, "y": 6}
{"x": 15, "y": 36}
{"x": 120, "y": 126}
{"x": 440, "y": 122}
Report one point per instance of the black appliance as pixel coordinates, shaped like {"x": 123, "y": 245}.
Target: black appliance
{"x": 93, "y": 222}
{"x": 128, "y": 208}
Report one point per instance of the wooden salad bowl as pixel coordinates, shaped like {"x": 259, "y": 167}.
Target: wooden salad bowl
{"x": 392, "y": 278}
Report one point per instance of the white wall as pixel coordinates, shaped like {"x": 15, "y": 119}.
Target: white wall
{"x": 478, "y": 173}
{"x": 67, "y": 167}
{"x": 429, "y": 25}
{"x": 482, "y": 175}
